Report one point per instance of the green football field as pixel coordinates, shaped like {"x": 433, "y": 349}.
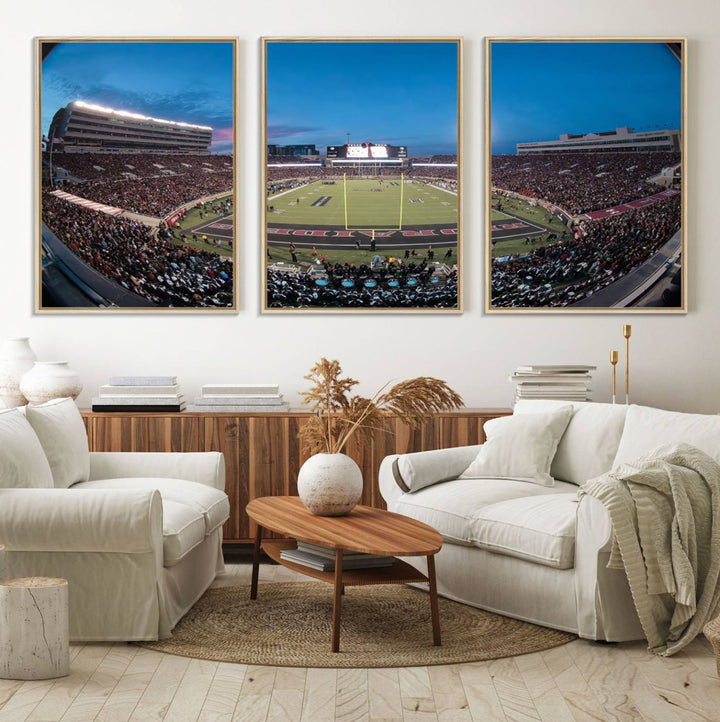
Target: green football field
{"x": 364, "y": 204}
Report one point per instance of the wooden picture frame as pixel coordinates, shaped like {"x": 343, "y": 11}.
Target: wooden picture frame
{"x": 361, "y": 140}
{"x": 135, "y": 175}
{"x": 585, "y": 196}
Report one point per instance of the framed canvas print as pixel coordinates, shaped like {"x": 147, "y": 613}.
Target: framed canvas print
{"x": 135, "y": 175}
{"x": 585, "y": 175}
{"x": 361, "y": 138}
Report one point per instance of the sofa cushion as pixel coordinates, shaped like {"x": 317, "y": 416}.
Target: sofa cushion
{"x": 540, "y": 529}
{"x": 590, "y": 441}
{"x": 453, "y": 508}
{"x": 183, "y": 530}
{"x": 61, "y": 431}
{"x": 23, "y": 463}
{"x": 647, "y": 428}
{"x": 211, "y": 503}
{"x": 520, "y": 447}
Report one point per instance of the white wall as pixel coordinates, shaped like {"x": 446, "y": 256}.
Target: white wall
{"x": 675, "y": 357}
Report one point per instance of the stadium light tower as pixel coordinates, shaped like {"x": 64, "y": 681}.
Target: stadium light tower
{"x": 348, "y": 138}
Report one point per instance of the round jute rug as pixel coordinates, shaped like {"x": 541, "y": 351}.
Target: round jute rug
{"x": 289, "y": 625}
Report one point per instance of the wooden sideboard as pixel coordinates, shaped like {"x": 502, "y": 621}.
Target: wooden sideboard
{"x": 262, "y": 452}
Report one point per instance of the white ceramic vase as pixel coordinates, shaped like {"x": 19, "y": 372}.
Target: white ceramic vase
{"x": 330, "y": 484}
{"x": 16, "y": 358}
{"x": 49, "y": 380}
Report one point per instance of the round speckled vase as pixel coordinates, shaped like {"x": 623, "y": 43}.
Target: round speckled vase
{"x": 16, "y": 358}
{"x": 49, "y": 380}
{"x": 330, "y": 484}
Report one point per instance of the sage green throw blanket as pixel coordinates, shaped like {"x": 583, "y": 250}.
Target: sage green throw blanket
{"x": 665, "y": 512}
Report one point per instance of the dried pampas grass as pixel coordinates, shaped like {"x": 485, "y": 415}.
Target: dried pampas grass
{"x": 339, "y": 415}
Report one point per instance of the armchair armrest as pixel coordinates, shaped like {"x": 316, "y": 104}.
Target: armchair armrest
{"x": 409, "y": 472}
{"x": 203, "y": 467}
{"x": 81, "y": 520}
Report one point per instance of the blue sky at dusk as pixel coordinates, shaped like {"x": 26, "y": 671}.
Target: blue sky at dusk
{"x": 401, "y": 93}
{"x": 542, "y": 89}
{"x": 190, "y": 82}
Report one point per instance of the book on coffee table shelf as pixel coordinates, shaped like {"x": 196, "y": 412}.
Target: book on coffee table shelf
{"x": 323, "y": 558}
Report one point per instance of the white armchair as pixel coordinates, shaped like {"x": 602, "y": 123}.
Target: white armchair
{"x": 137, "y": 536}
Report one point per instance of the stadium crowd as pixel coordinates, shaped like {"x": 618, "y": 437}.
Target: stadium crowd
{"x": 156, "y": 196}
{"x": 581, "y": 182}
{"x": 127, "y": 252}
{"x": 147, "y": 184}
{"x": 604, "y": 251}
{"x": 391, "y": 285}
{"x": 294, "y": 159}
{"x": 94, "y": 166}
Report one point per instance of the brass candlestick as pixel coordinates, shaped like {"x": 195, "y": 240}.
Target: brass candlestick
{"x": 627, "y": 331}
{"x": 613, "y": 361}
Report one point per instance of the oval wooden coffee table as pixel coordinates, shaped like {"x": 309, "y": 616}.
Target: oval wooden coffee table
{"x": 372, "y": 531}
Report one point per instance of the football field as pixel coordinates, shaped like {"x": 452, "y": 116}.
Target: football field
{"x": 364, "y": 204}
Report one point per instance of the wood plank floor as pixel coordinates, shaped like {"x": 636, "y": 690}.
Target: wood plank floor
{"x": 580, "y": 681}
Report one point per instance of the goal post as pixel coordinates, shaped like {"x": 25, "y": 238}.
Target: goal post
{"x": 378, "y": 227}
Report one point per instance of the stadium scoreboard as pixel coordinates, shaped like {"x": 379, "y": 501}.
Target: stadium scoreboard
{"x": 366, "y": 151}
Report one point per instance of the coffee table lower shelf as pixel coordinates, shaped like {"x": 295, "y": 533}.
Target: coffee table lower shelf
{"x": 399, "y": 572}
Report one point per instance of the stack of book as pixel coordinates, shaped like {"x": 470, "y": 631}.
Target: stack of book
{"x": 240, "y": 398}
{"x": 564, "y": 382}
{"x": 322, "y": 558}
{"x": 140, "y": 393}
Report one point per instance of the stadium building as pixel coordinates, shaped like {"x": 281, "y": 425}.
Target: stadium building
{"x": 619, "y": 140}
{"x": 291, "y": 150}
{"x": 82, "y": 127}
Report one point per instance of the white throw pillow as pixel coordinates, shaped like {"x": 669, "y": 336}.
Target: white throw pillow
{"x": 647, "y": 428}
{"x": 590, "y": 442}
{"x": 22, "y": 460}
{"x": 61, "y": 431}
{"x": 520, "y": 447}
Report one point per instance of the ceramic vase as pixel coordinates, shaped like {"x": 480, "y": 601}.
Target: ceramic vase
{"x": 16, "y": 358}
{"x": 49, "y": 380}
{"x": 330, "y": 484}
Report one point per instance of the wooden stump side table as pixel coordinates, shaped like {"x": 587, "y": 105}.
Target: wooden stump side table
{"x": 34, "y": 628}
{"x": 364, "y": 529}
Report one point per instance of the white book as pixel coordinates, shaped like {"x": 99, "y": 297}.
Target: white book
{"x": 143, "y": 380}
{"x": 554, "y": 369}
{"x": 548, "y": 392}
{"x": 537, "y": 388}
{"x": 213, "y": 409}
{"x": 243, "y": 389}
{"x": 554, "y": 379}
{"x": 139, "y": 390}
{"x": 240, "y": 399}
{"x": 137, "y": 400}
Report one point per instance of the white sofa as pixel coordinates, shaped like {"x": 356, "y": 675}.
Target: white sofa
{"x": 533, "y": 552}
{"x": 138, "y": 536}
